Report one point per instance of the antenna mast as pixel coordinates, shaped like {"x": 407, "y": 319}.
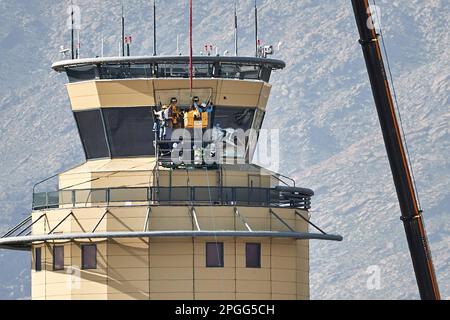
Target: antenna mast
{"x": 123, "y": 32}
{"x": 73, "y": 31}
{"x": 256, "y": 29}
{"x": 154, "y": 27}
{"x": 235, "y": 29}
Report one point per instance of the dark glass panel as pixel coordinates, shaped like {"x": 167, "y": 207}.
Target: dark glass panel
{"x": 173, "y": 70}
{"x": 234, "y": 118}
{"x": 83, "y": 73}
{"x": 92, "y": 134}
{"x": 89, "y": 256}
{"x": 130, "y": 131}
{"x": 58, "y": 258}
{"x": 265, "y": 74}
{"x": 38, "y": 259}
{"x": 214, "y": 255}
{"x": 253, "y": 255}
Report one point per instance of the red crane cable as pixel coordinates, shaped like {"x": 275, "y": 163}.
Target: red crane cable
{"x": 191, "y": 75}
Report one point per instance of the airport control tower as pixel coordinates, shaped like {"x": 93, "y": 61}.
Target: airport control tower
{"x": 168, "y": 204}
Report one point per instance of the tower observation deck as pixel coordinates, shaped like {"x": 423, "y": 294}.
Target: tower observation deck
{"x": 168, "y": 204}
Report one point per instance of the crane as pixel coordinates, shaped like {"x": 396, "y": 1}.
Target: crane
{"x": 411, "y": 215}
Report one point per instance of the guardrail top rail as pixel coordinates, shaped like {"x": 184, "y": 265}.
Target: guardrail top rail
{"x": 200, "y": 196}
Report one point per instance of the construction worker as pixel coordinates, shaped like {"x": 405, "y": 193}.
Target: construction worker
{"x": 197, "y": 105}
{"x": 161, "y": 122}
{"x": 177, "y": 114}
{"x": 196, "y": 108}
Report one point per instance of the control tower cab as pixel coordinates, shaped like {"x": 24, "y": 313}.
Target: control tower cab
{"x": 168, "y": 204}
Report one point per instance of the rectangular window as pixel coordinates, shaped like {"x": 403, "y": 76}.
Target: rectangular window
{"x": 89, "y": 256}
{"x": 58, "y": 258}
{"x": 253, "y": 255}
{"x": 38, "y": 259}
{"x": 214, "y": 255}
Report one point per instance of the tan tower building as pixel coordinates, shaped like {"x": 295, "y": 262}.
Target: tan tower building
{"x": 168, "y": 204}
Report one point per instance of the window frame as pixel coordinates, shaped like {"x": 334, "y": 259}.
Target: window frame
{"x": 83, "y": 262}
{"x": 56, "y": 266}
{"x": 247, "y": 257}
{"x": 221, "y": 252}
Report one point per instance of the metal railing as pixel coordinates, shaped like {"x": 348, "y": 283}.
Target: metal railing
{"x": 198, "y": 196}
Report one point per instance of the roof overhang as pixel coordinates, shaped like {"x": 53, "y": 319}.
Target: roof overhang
{"x": 60, "y": 66}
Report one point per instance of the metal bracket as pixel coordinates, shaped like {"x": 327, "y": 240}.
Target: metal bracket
{"x": 101, "y": 219}
{"x": 409, "y": 219}
{"x": 309, "y": 222}
{"x": 61, "y": 222}
{"x": 368, "y": 42}
{"x": 282, "y": 221}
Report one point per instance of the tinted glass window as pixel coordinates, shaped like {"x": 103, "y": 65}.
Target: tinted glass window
{"x": 58, "y": 258}
{"x": 214, "y": 255}
{"x": 114, "y": 72}
{"x": 253, "y": 255}
{"x": 38, "y": 259}
{"x": 89, "y": 256}
{"x": 130, "y": 131}
{"x": 83, "y": 73}
{"x": 92, "y": 134}
{"x": 234, "y": 118}
{"x": 173, "y": 70}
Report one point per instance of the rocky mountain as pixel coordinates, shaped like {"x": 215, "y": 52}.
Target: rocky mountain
{"x": 321, "y": 103}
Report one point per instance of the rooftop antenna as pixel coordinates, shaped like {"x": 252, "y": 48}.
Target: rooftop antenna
{"x": 235, "y": 29}
{"x": 123, "y": 32}
{"x": 178, "y": 45}
{"x": 73, "y": 30}
{"x": 256, "y": 29}
{"x": 154, "y": 27}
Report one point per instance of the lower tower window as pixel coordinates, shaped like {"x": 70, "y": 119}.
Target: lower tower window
{"x": 89, "y": 256}
{"x": 58, "y": 258}
{"x": 253, "y": 255}
{"x": 214, "y": 255}
{"x": 38, "y": 259}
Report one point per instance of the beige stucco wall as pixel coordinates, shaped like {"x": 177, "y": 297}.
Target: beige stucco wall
{"x": 149, "y": 92}
{"x": 173, "y": 268}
